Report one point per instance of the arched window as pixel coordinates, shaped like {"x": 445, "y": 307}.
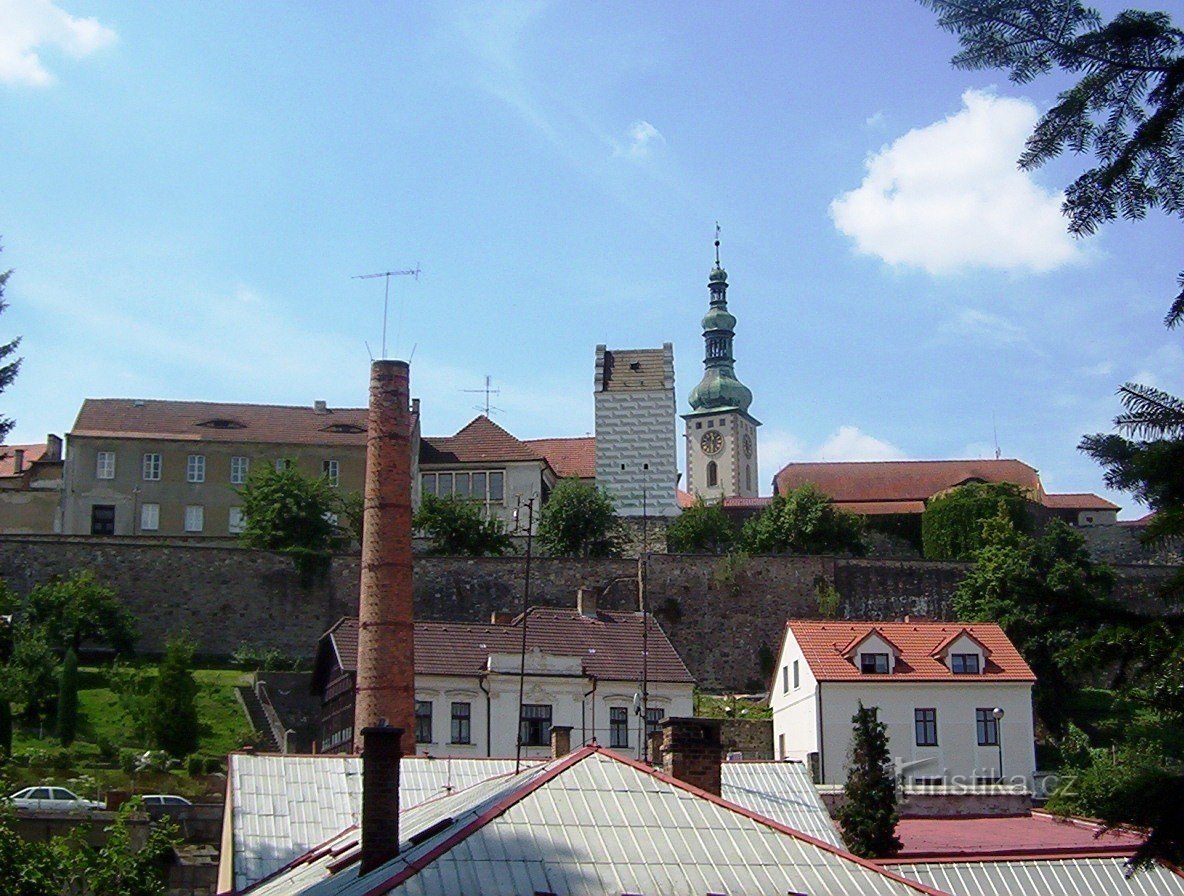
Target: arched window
{"x": 748, "y": 478}
{"x": 712, "y": 474}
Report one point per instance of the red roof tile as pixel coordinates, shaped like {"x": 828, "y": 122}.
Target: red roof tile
{"x": 224, "y": 422}
{"x": 880, "y": 508}
{"x": 8, "y": 457}
{"x": 575, "y": 456}
{"x": 1079, "y": 501}
{"x": 609, "y": 644}
{"x": 823, "y": 645}
{"x": 480, "y": 441}
{"x": 902, "y": 480}
{"x": 1037, "y": 835}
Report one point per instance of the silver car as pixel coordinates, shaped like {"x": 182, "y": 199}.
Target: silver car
{"x": 43, "y": 797}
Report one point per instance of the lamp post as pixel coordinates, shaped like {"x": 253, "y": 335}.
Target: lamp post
{"x": 997, "y": 712}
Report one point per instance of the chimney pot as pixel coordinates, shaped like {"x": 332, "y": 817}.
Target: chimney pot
{"x": 691, "y": 751}
{"x": 586, "y": 602}
{"x": 500, "y": 617}
{"x": 560, "y": 740}
{"x": 18, "y": 460}
{"x": 381, "y": 759}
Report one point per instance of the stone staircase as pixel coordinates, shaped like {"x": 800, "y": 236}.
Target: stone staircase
{"x": 257, "y": 716}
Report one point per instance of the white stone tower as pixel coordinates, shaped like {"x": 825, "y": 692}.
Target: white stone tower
{"x": 720, "y": 433}
{"x": 636, "y": 457}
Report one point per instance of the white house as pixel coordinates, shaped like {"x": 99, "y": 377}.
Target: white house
{"x": 957, "y": 699}
{"x": 584, "y": 669}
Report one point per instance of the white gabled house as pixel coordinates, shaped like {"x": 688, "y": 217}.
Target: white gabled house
{"x": 957, "y": 699}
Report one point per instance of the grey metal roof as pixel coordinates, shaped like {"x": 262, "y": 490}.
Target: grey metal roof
{"x": 592, "y": 823}
{"x": 1094, "y": 876}
{"x": 283, "y": 806}
{"x": 782, "y": 791}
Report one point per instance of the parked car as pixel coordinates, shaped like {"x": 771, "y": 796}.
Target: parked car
{"x": 51, "y": 798}
{"x": 168, "y": 800}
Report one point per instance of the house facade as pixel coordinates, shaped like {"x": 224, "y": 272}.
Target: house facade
{"x": 31, "y": 479}
{"x": 957, "y": 700}
{"x": 583, "y": 670}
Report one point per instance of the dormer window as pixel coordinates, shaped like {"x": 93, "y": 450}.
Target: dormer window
{"x": 875, "y": 663}
{"x": 964, "y": 663}
{"x": 222, "y": 423}
{"x": 351, "y": 428}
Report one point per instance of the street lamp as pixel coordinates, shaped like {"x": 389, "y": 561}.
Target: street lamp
{"x": 997, "y": 712}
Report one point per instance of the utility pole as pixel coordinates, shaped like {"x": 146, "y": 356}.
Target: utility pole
{"x": 387, "y": 292}
{"x": 525, "y": 610}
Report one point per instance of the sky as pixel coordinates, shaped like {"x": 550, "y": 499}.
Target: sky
{"x": 189, "y": 190}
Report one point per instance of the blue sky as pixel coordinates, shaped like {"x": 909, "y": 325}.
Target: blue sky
{"x": 186, "y": 191}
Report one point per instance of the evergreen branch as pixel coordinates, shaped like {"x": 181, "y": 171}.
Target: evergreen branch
{"x": 1150, "y": 413}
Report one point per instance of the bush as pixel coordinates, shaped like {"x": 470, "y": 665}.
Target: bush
{"x": 579, "y": 520}
{"x": 457, "y": 527}
{"x": 701, "y": 529}
{"x": 952, "y": 524}
{"x": 803, "y": 521}
{"x": 68, "y": 699}
{"x": 108, "y": 751}
{"x": 172, "y": 704}
{"x": 129, "y": 760}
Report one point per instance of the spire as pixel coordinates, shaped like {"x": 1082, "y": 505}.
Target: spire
{"x": 719, "y": 389}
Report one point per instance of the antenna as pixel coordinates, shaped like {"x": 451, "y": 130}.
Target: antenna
{"x": 717, "y": 244}
{"x": 995, "y": 430}
{"x": 487, "y": 391}
{"x": 387, "y": 292}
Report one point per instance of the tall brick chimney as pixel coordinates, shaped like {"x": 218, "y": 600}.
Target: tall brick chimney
{"x": 381, "y": 760}
{"x": 386, "y": 655}
{"x": 691, "y": 752}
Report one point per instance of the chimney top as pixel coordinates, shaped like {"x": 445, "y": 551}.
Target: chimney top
{"x": 691, "y": 751}
{"x": 320, "y": 407}
{"x": 586, "y": 602}
{"x": 53, "y": 447}
{"x": 560, "y": 740}
{"x": 500, "y": 617}
{"x": 381, "y": 757}
{"x": 18, "y": 460}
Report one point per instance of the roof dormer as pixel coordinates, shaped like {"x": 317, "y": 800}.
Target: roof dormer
{"x": 962, "y": 653}
{"x": 872, "y": 653}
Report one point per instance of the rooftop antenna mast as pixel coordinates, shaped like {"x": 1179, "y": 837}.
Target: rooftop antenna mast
{"x": 487, "y": 391}
{"x": 995, "y": 429}
{"x": 386, "y": 296}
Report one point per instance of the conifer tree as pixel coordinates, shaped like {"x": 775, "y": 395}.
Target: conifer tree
{"x": 68, "y": 699}
{"x": 869, "y": 814}
{"x": 172, "y": 712}
{"x": 8, "y": 371}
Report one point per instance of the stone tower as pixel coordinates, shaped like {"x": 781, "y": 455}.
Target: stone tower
{"x": 720, "y": 433}
{"x": 636, "y": 454}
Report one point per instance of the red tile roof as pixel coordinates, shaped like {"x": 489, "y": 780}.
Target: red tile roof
{"x": 574, "y": 456}
{"x": 1039, "y": 835}
{"x": 609, "y": 644}
{"x": 880, "y": 508}
{"x": 8, "y": 457}
{"x": 902, "y": 480}
{"x": 1079, "y": 501}
{"x": 634, "y": 369}
{"x": 182, "y": 420}
{"x": 823, "y": 644}
{"x": 480, "y": 441}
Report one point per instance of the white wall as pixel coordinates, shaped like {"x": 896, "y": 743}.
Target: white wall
{"x": 795, "y": 716}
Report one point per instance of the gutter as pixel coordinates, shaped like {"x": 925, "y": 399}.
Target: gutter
{"x": 583, "y": 708}
{"x": 488, "y": 716}
{"x": 821, "y": 741}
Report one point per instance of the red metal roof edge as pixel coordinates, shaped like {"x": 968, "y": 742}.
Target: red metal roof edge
{"x": 1047, "y": 854}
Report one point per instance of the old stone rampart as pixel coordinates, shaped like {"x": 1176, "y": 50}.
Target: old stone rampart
{"x": 724, "y": 616}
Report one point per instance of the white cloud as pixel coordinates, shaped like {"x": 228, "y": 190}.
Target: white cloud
{"x": 642, "y": 138}
{"x": 28, "y": 27}
{"x": 949, "y": 195}
{"x": 851, "y": 443}
{"x": 875, "y": 121}
{"x": 984, "y": 327}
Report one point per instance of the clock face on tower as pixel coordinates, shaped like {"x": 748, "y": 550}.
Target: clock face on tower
{"x": 712, "y": 442}
{"x": 747, "y": 447}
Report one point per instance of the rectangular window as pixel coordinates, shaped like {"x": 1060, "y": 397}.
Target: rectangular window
{"x": 151, "y": 467}
{"x": 105, "y": 465}
{"x": 195, "y": 468}
{"x": 281, "y": 464}
{"x": 444, "y": 489}
{"x": 235, "y": 524}
{"x": 929, "y": 781}
{"x": 874, "y": 662}
{"x": 330, "y": 471}
{"x": 797, "y": 678}
{"x": 964, "y": 663}
{"x": 785, "y": 679}
{"x": 149, "y": 517}
{"x": 618, "y": 726}
{"x": 460, "y": 487}
{"x": 461, "y": 717}
{"x": 496, "y": 481}
{"x": 653, "y": 720}
{"x": 102, "y": 519}
{"x": 479, "y": 493}
{"x": 925, "y": 723}
{"x": 535, "y": 727}
{"x": 195, "y": 518}
{"x": 427, "y": 483}
{"x": 423, "y": 721}
{"x": 239, "y": 468}
{"x": 988, "y": 727}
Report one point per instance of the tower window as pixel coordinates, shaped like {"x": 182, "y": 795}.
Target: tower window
{"x": 712, "y": 475}
{"x": 748, "y": 478}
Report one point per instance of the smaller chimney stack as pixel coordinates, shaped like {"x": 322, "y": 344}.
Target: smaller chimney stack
{"x": 500, "y": 617}
{"x": 320, "y": 407}
{"x": 560, "y": 741}
{"x": 18, "y": 460}
{"x": 691, "y": 751}
{"x": 380, "y": 796}
{"x": 586, "y": 602}
{"x": 53, "y": 447}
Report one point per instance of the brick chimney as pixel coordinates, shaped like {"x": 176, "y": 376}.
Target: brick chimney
{"x": 53, "y": 447}
{"x": 18, "y": 460}
{"x": 380, "y": 796}
{"x": 322, "y": 407}
{"x": 691, "y": 750}
{"x": 386, "y": 655}
{"x": 501, "y": 617}
{"x": 586, "y": 602}
{"x": 560, "y": 740}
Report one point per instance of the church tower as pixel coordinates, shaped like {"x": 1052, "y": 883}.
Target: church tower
{"x": 720, "y": 433}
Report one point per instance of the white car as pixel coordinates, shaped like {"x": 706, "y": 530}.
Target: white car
{"x": 165, "y": 800}
{"x": 51, "y": 798}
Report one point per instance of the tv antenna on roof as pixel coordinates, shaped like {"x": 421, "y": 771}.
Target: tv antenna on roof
{"x": 387, "y": 292}
{"x": 487, "y": 391}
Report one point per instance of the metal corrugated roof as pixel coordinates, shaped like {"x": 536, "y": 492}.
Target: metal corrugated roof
{"x": 595, "y": 823}
{"x": 283, "y": 806}
{"x": 1048, "y": 877}
{"x": 782, "y": 791}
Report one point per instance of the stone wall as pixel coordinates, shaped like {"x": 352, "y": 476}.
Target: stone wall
{"x": 724, "y": 616}
{"x": 751, "y": 738}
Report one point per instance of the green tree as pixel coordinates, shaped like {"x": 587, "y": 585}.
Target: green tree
{"x": 80, "y": 608}
{"x": 1126, "y": 108}
{"x": 952, "y": 524}
{"x": 579, "y": 520}
{"x": 284, "y": 510}
{"x": 30, "y": 677}
{"x": 701, "y": 529}
{"x": 9, "y": 366}
{"x": 172, "y": 705}
{"x": 458, "y": 528}
{"x": 68, "y": 699}
{"x": 868, "y": 814}
{"x": 803, "y": 521}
